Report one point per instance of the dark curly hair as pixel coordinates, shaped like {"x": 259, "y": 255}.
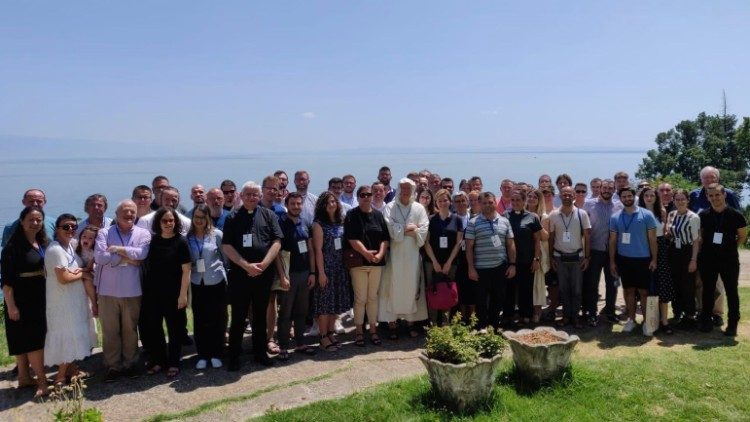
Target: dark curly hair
{"x": 321, "y": 214}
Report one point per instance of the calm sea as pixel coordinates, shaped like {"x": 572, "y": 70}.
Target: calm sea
{"x": 68, "y": 181}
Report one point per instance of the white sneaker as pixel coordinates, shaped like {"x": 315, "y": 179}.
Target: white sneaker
{"x": 629, "y": 326}
{"x": 216, "y": 363}
{"x": 339, "y": 327}
{"x": 313, "y": 331}
{"x": 201, "y": 364}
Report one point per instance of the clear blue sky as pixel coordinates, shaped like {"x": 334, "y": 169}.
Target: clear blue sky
{"x": 326, "y": 74}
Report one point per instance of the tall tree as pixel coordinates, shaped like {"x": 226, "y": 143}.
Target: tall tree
{"x": 706, "y": 141}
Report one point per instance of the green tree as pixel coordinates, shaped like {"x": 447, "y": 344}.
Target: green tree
{"x": 718, "y": 141}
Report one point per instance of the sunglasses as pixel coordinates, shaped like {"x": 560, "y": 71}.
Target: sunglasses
{"x": 68, "y": 227}
{"x": 365, "y": 195}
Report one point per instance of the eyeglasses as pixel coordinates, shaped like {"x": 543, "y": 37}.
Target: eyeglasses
{"x": 229, "y": 192}
{"x": 68, "y": 227}
{"x": 583, "y": 192}
{"x": 365, "y": 195}
{"x": 143, "y": 197}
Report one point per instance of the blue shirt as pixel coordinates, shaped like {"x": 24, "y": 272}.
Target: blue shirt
{"x": 219, "y": 221}
{"x": 481, "y": 230}
{"x": 599, "y": 215}
{"x": 637, "y": 224}
{"x": 699, "y": 200}
{"x": 208, "y": 249}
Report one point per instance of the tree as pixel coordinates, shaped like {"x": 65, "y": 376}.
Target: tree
{"x": 717, "y": 141}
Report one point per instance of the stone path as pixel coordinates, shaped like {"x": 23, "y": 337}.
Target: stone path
{"x": 254, "y": 390}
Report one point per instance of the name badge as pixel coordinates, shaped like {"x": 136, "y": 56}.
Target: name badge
{"x": 626, "y": 238}
{"x": 566, "y": 237}
{"x": 443, "y": 242}
{"x": 247, "y": 240}
{"x": 302, "y": 246}
{"x": 200, "y": 265}
{"x": 496, "y": 241}
{"x": 337, "y": 243}
{"x": 123, "y": 264}
{"x": 718, "y": 237}
{"x": 677, "y": 244}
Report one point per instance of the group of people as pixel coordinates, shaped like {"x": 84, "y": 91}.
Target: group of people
{"x": 283, "y": 259}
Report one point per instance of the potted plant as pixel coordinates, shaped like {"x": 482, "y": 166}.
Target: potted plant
{"x": 462, "y": 362}
{"x": 541, "y": 354}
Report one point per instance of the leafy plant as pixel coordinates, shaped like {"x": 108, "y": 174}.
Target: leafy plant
{"x": 459, "y": 343}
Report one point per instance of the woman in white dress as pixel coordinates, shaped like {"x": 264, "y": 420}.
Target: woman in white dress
{"x": 70, "y": 328}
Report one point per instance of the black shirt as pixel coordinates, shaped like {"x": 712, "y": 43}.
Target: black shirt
{"x": 726, "y": 222}
{"x": 293, "y": 234}
{"x": 164, "y": 263}
{"x": 262, "y": 224}
{"x": 524, "y": 225}
{"x": 367, "y": 227}
{"x": 449, "y": 228}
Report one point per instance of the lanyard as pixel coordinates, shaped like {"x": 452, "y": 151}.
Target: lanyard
{"x": 198, "y": 246}
{"x": 71, "y": 253}
{"x": 122, "y": 242}
{"x": 570, "y": 220}
{"x": 492, "y": 225}
{"x": 632, "y": 217}
{"x": 405, "y": 217}
{"x": 40, "y": 251}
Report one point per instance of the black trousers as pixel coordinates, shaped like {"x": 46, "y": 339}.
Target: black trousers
{"x": 209, "y": 322}
{"x": 684, "y": 281}
{"x": 729, "y": 269}
{"x": 490, "y": 295}
{"x": 519, "y": 290}
{"x": 158, "y": 307}
{"x": 244, "y": 291}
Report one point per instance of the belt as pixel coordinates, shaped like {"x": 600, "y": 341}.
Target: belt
{"x": 32, "y": 274}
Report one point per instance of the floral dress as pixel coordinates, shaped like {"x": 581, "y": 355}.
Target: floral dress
{"x": 335, "y": 297}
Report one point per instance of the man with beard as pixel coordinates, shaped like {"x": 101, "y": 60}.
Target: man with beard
{"x": 301, "y": 182}
{"x": 348, "y": 197}
{"x": 384, "y": 177}
{"x": 215, "y": 202}
{"x": 569, "y": 253}
{"x": 632, "y": 251}
{"x": 600, "y": 210}
{"x": 402, "y": 294}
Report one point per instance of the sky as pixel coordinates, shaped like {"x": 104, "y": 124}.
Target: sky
{"x": 313, "y": 75}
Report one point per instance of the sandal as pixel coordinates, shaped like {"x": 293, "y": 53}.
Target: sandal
{"x": 173, "y": 371}
{"x": 283, "y": 355}
{"x": 359, "y": 340}
{"x": 41, "y": 391}
{"x": 393, "y": 331}
{"x": 375, "y": 339}
{"x": 153, "y": 370}
{"x": 330, "y": 347}
{"x": 332, "y": 337}
{"x": 273, "y": 348}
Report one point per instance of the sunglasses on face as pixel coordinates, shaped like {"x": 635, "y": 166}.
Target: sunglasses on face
{"x": 365, "y": 195}
{"x": 68, "y": 227}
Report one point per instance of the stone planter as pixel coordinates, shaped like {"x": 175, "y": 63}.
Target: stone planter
{"x": 463, "y": 385}
{"x": 541, "y": 362}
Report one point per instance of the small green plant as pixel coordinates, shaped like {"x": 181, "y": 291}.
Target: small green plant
{"x": 459, "y": 343}
{"x": 70, "y": 399}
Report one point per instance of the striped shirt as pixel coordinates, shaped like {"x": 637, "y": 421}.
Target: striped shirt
{"x": 481, "y": 230}
{"x": 685, "y": 228}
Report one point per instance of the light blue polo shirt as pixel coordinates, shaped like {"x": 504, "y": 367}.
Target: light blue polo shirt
{"x": 637, "y": 224}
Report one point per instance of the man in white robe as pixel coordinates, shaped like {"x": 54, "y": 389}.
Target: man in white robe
{"x": 402, "y": 294}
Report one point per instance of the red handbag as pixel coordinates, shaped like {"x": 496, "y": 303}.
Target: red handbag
{"x": 442, "y": 295}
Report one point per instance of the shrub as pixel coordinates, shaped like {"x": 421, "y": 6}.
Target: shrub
{"x": 458, "y": 343}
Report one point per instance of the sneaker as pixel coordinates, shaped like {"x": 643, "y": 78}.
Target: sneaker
{"x": 201, "y": 365}
{"x": 216, "y": 363}
{"x": 313, "y": 331}
{"x": 629, "y": 326}
{"x": 339, "y": 327}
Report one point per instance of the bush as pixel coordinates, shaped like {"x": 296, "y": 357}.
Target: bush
{"x": 458, "y": 343}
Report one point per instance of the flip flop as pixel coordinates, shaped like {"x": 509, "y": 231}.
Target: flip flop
{"x": 359, "y": 340}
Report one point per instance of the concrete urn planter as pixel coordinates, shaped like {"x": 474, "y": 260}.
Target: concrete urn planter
{"x": 541, "y": 354}
{"x": 464, "y": 385}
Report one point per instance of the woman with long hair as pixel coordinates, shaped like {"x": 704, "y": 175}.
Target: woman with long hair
{"x": 649, "y": 200}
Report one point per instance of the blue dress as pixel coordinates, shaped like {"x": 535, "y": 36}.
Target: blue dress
{"x": 335, "y": 298}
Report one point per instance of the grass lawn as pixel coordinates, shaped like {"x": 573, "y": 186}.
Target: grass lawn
{"x": 609, "y": 380}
